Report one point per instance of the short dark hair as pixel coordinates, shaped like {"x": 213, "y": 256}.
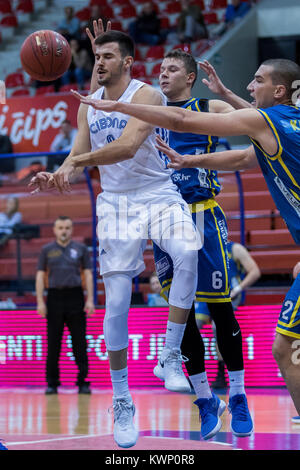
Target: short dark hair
{"x": 285, "y": 72}
{"x": 62, "y": 218}
{"x": 126, "y": 44}
{"x": 188, "y": 60}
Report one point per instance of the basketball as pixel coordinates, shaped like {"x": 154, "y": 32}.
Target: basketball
{"x": 45, "y": 55}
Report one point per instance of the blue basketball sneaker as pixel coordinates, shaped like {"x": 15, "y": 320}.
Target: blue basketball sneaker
{"x": 210, "y": 410}
{"x": 241, "y": 422}
{"x": 2, "y": 447}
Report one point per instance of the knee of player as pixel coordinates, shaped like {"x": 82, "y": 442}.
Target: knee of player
{"x": 277, "y": 351}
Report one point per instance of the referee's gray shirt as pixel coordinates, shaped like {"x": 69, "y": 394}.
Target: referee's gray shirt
{"x": 64, "y": 264}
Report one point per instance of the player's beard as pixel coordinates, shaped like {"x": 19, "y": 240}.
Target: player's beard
{"x": 113, "y": 77}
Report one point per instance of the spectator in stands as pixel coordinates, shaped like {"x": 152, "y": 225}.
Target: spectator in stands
{"x": 234, "y": 12}
{"x": 65, "y": 260}
{"x": 7, "y": 164}
{"x": 81, "y": 67}
{"x": 62, "y": 142}
{"x": 154, "y": 298}
{"x": 146, "y": 27}
{"x": 191, "y": 25}
{"x": 70, "y": 25}
{"x": 9, "y": 219}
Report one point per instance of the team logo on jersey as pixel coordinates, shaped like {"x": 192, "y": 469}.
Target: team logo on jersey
{"x": 107, "y": 123}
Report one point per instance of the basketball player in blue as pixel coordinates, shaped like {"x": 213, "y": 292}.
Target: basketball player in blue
{"x": 199, "y": 187}
{"x": 272, "y": 121}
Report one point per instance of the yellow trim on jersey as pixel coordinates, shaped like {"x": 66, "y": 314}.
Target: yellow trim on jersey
{"x": 280, "y": 149}
{"x": 287, "y": 333}
{"x": 213, "y": 301}
{"x": 201, "y": 206}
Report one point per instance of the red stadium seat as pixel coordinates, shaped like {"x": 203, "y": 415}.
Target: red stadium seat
{"x": 211, "y": 18}
{"x": 45, "y": 89}
{"x": 9, "y": 21}
{"x": 155, "y": 53}
{"x": 215, "y": 4}
{"x": 116, "y": 25}
{"x": 84, "y": 14}
{"x": 200, "y": 3}
{"x": 155, "y": 71}
{"x": 5, "y": 6}
{"x": 128, "y": 11}
{"x": 164, "y": 22}
{"x": 20, "y": 92}
{"x": 138, "y": 70}
{"x": 14, "y": 79}
{"x": 25, "y": 6}
{"x": 120, "y": 2}
{"x": 173, "y": 7}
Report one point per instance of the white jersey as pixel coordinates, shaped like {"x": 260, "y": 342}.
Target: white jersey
{"x": 148, "y": 167}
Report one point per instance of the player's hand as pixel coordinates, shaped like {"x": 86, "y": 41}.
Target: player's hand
{"x": 105, "y": 105}
{"x": 61, "y": 178}
{"x": 213, "y": 81}
{"x": 89, "y": 307}
{"x": 41, "y": 182}
{"x": 235, "y": 291}
{"x": 177, "y": 161}
{"x": 98, "y": 30}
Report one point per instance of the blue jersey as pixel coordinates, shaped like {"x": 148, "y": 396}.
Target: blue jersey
{"x": 194, "y": 184}
{"x": 282, "y": 170}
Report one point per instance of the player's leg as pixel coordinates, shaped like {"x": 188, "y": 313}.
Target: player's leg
{"x": 55, "y": 327}
{"x": 118, "y": 288}
{"x": 286, "y": 347}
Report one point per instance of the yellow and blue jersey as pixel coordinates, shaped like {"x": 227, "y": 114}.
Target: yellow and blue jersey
{"x": 282, "y": 170}
{"x": 194, "y": 184}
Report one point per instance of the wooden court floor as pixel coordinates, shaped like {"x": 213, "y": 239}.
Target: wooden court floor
{"x": 30, "y": 420}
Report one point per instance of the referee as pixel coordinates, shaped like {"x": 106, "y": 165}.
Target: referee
{"x": 63, "y": 260}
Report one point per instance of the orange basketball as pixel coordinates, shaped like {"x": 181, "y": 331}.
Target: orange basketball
{"x": 45, "y": 55}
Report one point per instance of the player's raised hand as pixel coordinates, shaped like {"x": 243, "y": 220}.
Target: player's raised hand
{"x": 177, "y": 160}
{"x": 98, "y": 30}
{"x": 41, "y": 182}
{"x": 213, "y": 81}
{"x": 105, "y": 105}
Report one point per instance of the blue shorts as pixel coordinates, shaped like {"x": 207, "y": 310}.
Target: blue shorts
{"x": 213, "y": 265}
{"x": 289, "y": 319}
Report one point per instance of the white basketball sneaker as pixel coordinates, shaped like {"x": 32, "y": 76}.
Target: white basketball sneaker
{"x": 125, "y": 433}
{"x": 169, "y": 369}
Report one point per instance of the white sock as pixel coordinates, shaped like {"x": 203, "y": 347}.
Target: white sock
{"x": 201, "y": 385}
{"x": 236, "y": 382}
{"x": 174, "y": 334}
{"x": 119, "y": 379}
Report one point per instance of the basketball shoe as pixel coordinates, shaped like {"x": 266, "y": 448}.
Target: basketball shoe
{"x": 241, "y": 422}
{"x": 210, "y": 410}
{"x": 2, "y": 447}
{"x": 125, "y": 433}
{"x": 169, "y": 369}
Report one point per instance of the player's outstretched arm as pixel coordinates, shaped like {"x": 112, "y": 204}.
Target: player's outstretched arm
{"x": 216, "y": 86}
{"x": 230, "y": 160}
{"x": 241, "y": 122}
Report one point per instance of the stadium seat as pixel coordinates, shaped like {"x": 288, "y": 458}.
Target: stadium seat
{"x": 138, "y": 70}
{"x": 155, "y": 53}
{"x": 45, "y": 89}
{"x": 116, "y": 25}
{"x": 20, "y": 92}
{"x": 211, "y": 18}
{"x": 14, "y": 79}
{"x": 128, "y": 11}
{"x": 216, "y": 4}
{"x": 5, "y": 7}
{"x": 25, "y": 6}
{"x": 84, "y": 14}
{"x": 9, "y": 21}
{"x": 155, "y": 71}
{"x": 172, "y": 7}
{"x": 164, "y": 22}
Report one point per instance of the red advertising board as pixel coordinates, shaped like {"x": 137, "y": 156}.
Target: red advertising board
{"x": 33, "y": 122}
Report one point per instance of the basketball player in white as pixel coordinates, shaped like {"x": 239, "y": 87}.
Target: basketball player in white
{"x": 135, "y": 182}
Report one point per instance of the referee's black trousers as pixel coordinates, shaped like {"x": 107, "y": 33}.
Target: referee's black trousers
{"x": 65, "y": 307}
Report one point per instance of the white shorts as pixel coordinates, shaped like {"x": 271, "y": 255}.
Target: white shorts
{"x": 127, "y": 220}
